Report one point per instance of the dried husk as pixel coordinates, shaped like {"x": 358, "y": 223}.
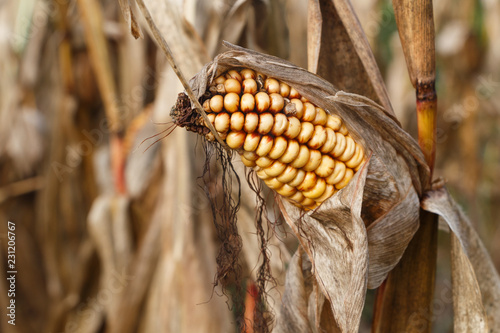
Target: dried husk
{"x": 394, "y": 175}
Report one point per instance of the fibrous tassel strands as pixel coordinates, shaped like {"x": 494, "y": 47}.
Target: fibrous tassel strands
{"x": 299, "y": 150}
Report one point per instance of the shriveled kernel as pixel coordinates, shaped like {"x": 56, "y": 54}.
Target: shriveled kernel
{"x": 298, "y": 179}
{"x": 325, "y": 168}
{"x": 277, "y": 103}
{"x": 247, "y": 103}
{"x": 306, "y": 132}
{"x": 291, "y": 152}
{"x": 349, "y": 149}
{"x": 217, "y": 103}
{"x": 273, "y": 183}
{"x": 308, "y": 183}
{"x": 264, "y": 162}
{"x": 262, "y": 101}
{"x": 314, "y": 160}
{"x": 338, "y": 173}
{"x": 220, "y": 88}
{"x": 329, "y": 191}
{"x": 249, "y": 86}
{"x": 247, "y": 73}
{"x": 206, "y": 106}
{"x": 233, "y": 74}
{"x": 286, "y": 190}
{"x": 309, "y": 112}
{"x": 251, "y": 142}
{"x": 284, "y": 89}
{"x": 297, "y": 106}
{"x": 266, "y": 122}
{"x": 321, "y": 117}
{"x": 248, "y": 163}
{"x": 222, "y": 135}
{"x": 302, "y": 158}
{"x": 265, "y": 145}
{"x": 280, "y": 124}
{"x": 331, "y": 140}
{"x": 317, "y": 191}
{"x": 275, "y": 169}
{"x": 294, "y": 93}
{"x": 318, "y": 138}
{"x": 222, "y": 122}
{"x": 339, "y": 146}
{"x": 237, "y": 121}
{"x": 356, "y": 159}
{"x": 232, "y": 86}
{"x": 220, "y": 79}
{"x": 347, "y": 178}
{"x": 235, "y": 140}
{"x": 231, "y": 102}
{"x": 279, "y": 147}
{"x": 294, "y": 127}
{"x": 260, "y": 78}
{"x": 334, "y": 122}
{"x": 287, "y": 175}
{"x": 272, "y": 85}
{"x": 250, "y": 155}
{"x": 251, "y": 122}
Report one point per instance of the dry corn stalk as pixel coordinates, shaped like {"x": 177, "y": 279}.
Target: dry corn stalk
{"x": 374, "y": 210}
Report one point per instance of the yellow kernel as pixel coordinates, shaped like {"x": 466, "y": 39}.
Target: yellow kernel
{"x": 272, "y": 85}
{"x": 280, "y": 124}
{"x": 329, "y": 191}
{"x": 309, "y": 112}
{"x": 314, "y": 160}
{"x": 291, "y": 152}
{"x": 294, "y": 127}
{"x": 247, "y": 73}
{"x": 249, "y": 86}
{"x": 262, "y": 101}
{"x": 232, "y": 86}
{"x": 275, "y": 169}
{"x": 286, "y": 190}
{"x": 302, "y": 158}
{"x": 297, "y": 106}
{"x": 308, "y": 183}
{"x": 250, "y": 155}
{"x": 347, "y": 178}
{"x": 356, "y": 159}
{"x": 317, "y": 191}
{"x": 321, "y": 117}
{"x": 231, "y": 102}
{"x": 211, "y": 118}
{"x": 273, "y": 183}
{"x": 331, "y": 140}
{"x": 298, "y": 179}
{"x": 266, "y": 122}
{"x": 284, "y": 89}
{"x": 235, "y": 140}
{"x": 251, "y": 122}
{"x": 287, "y": 175}
{"x": 339, "y": 146}
{"x": 261, "y": 174}
{"x": 251, "y": 142}
{"x": 248, "y": 163}
{"x": 294, "y": 93}
{"x": 264, "y": 162}
{"x": 279, "y": 147}
{"x": 247, "y": 103}
{"x": 325, "y": 168}
{"x": 334, "y": 122}
{"x": 306, "y": 132}
{"x": 308, "y": 204}
{"x": 217, "y": 103}
{"x": 343, "y": 130}
{"x": 265, "y": 145}
{"x": 337, "y": 174}
{"x": 237, "y": 121}
{"x": 220, "y": 79}
{"x": 233, "y": 74}
{"x": 349, "y": 149}
{"x": 303, "y": 99}
{"x": 277, "y": 103}
{"x": 297, "y": 197}
{"x": 318, "y": 138}
{"x": 222, "y": 122}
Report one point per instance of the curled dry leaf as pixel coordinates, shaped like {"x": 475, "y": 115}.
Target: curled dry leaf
{"x": 375, "y": 215}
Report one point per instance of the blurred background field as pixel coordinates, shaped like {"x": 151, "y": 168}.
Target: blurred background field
{"x": 114, "y": 237}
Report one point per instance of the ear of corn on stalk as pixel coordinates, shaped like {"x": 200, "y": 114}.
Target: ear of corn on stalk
{"x": 298, "y": 149}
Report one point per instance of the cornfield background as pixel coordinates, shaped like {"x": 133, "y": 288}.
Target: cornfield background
{"x": 115, "y": 236}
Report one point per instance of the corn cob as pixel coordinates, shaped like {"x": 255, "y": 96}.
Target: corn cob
{"x": 298, "y": 149}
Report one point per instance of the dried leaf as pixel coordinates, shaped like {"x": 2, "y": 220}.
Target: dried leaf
{"x": 129, "y": 16}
